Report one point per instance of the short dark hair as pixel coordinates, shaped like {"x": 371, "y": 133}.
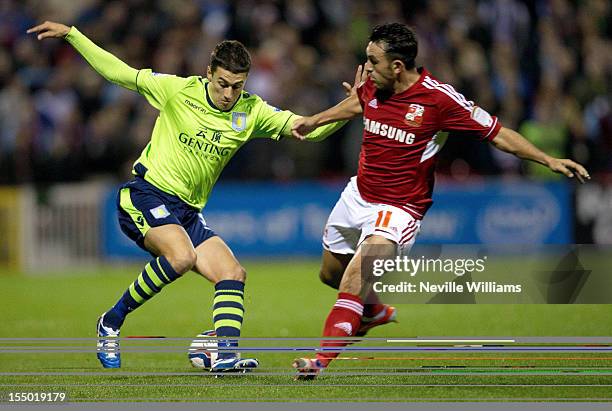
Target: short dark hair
{"x": 399, "y": 42}
{"x": 232, "y": 56}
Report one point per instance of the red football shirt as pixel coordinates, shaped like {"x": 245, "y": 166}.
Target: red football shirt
{"x": 400, "y": 140}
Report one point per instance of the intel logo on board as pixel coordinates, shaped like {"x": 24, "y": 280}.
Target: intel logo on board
{"x": 517, "y": 217}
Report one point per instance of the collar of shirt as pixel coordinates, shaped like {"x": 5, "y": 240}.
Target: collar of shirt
{"x": 212, "y": 104}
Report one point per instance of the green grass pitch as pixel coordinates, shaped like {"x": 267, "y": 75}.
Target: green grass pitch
{"x": 284, "y": 299}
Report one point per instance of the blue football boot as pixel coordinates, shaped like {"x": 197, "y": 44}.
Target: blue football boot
{"x": 234, "y": 364}
{"x": 108, "y": 348}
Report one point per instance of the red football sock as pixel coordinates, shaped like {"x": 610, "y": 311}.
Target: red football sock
{"x": 343, "y": 321}
{"x": 373, "y": 306}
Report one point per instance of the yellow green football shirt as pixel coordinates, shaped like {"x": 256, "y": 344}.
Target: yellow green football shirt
{"x": 192, "y": 140}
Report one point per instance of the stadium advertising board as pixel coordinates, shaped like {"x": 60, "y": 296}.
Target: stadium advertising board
{"x": 263, "y": 219}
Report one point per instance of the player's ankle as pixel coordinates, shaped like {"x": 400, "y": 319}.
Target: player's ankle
{"x": 322, "y": 361}
{"x": 372, "y": 310}
{"x": 112, "y": 319}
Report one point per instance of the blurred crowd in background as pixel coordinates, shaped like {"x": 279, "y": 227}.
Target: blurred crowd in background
{"x": 544, "y": 67}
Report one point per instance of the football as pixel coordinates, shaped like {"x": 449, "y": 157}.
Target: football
{"x": 203, "y": 350}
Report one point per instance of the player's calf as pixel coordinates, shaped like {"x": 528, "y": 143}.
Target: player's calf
{"x": 331, "y": 280}
{"x": 333, "y": 266}
{"x": 228, "y": 314}
{"x": 156, "y": 275}
{"x": 343, "y": 320}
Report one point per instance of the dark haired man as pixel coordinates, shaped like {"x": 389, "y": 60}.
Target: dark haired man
{"x": 201, "y": 125}
{"x": 404, "y": 110}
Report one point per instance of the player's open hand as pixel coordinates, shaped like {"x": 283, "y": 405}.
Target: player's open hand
{"x": 302, "y": 126}
{"x": 360, "y": 77}
{"x": 569, "y": 168}
{"x": 49, "y": 29}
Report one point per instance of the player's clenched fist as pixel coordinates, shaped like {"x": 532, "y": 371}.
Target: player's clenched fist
{"x": 49, "y": 29}
{"x": 302, "y": 126}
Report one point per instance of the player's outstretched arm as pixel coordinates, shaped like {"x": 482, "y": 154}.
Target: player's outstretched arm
{"x": 109, "y": 66}
{"x": 512, "y": 142}
{"x": 319, "y": 133}
{"x": 49, "y": 29}
{"x": 345, "y": 110}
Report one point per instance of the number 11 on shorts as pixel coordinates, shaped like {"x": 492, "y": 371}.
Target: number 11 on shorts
{"x": 383, "y": 219}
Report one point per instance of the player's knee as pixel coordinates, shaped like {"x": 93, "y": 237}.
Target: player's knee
{"x": 378, "y": 240}
{"x": 378, "y": 245}
{"x": 329, "y": 279}
{"x": 183, "y": 260}
{"x": 237, "y": 273}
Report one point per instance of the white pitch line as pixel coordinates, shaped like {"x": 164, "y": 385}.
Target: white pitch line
{"x": 448, "y": 341}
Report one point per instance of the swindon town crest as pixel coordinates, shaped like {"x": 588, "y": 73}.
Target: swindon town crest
{"x": 414, "y": 116}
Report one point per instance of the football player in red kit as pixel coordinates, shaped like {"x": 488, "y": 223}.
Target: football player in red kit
{"x": 406, "y": 112}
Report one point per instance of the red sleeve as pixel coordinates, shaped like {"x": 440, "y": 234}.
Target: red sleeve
{"x": 459, "y": 114}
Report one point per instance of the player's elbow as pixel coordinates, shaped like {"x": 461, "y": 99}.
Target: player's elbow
{"x": 503, "y": 141}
